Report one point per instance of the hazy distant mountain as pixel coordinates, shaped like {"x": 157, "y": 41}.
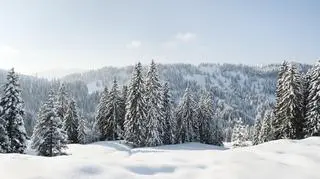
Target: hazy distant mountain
{"x": 57, "y": 73}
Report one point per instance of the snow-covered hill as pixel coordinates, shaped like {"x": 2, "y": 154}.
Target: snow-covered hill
{"x": 240, "y": 89}
{"x": 287, "y": 159}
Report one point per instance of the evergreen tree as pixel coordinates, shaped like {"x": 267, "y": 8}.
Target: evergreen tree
{"x": 239, "y": 134}
{"x": 92, "y": 133}
{"x": 217, "y": 132}
{"x": 209, "y": 128}
{"x": 62, "y": 103}
{"x": 266, "y": 131}
{"x": 262, "y": 110}
{"x": 71, "y": 121}
{"x": 100, "y": 120}
{"x": 279, "y": 97}
{"x": 12, "y": 114}
{"x": 135, "y": 119}
{"x": 113, "y": 123}
{"x": 289, "y": 109}
{"x": 82, "y": 131}
{"x": 169, "y": 124}
{"x": 186, "y": 116}
{"x": 123, "y": 100}
{"x": 312, "y": 122}
{"x": 257, "y": 128}
{"x": 154, "y": 122}
{"x": 49, "y": 138}
{"x": 306, "y": 79}
{"x": 4, "y": 139}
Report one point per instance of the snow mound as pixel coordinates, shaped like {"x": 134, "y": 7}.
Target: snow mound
{"x": 294, "y": 159}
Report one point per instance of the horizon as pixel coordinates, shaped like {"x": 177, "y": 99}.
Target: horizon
{"x": 59, "y": 73}
{"x": 44, "y": 36}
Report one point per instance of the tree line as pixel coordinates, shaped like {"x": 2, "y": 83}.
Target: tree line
{"x": 296, "y": 114}
{"x": 141, "y": 114}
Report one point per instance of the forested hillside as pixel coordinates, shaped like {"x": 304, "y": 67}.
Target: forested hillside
{"x": 239, "y": 90}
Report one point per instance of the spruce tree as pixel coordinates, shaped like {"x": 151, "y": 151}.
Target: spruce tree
{"x": 71, "y": 121}
{"x": 82, "y": 131}
{"x": 135, "y": 119}
{"x": 279, "y": 97}
{"x": 289, "y": 110}
{"x": 209, "y": 128}
{"x": 306, "y": 80}
{"x": 123, "y": 100}
{"x": 49, "y": 138}
{"x": 100, "y": 120}
{"x": 312, "y": 120}
{"x": 154, "y": 121}
{"x": 217, "y": 132}
{"x": 169, "y": 123}
{"x": 4, "y": 139}
{"x": 262, "y": 110}
{"x": 257, "y": 128}
{"x": 62, "y": 101}
{"x": 113, "y": 122}
{"x": 12, "y": 114}
{"x": 186, "y": 117}
{"x": 239, "y": 134}
{"x": 266, "y": 132}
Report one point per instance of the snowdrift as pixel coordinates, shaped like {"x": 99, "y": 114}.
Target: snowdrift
{"x": 285, "y": 159}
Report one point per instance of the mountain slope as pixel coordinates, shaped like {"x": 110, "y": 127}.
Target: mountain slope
{"x": 240, "y": 88}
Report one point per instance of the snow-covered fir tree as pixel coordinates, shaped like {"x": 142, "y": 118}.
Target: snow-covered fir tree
{"x": 187, "y": 122}
{"x": 266, "y": 130}
{"x": 82, "y": 131}
{"x": 154, "y": 121}
{"x": 306, "y": 79}
{"x": 71, "y": 121}
{"x": 62, "y": 101}
{"x": 239, "y": 134}
{"x": 113, "y": 123}
{"x": 209, "y": 127}
{"x": 12, "y": 113}
{"x": 312, "y": 119}
{"x": 257, "y": 128}
{"x": 92, "y": 132}
{"x": 289, "y": 109}
{"x": 123, "y": 100}
{"x": 49, "y": 138}
{"x": 279, "y": 97}
{"x": 4, "y": 139}
{"x": 169, "y": 123}
{"x": 261, "y": 113}
{"x": 100, "y": 120}
{"x": 136, "y": 111}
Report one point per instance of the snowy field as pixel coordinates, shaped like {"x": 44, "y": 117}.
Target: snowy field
{"x": 283, "y": 159}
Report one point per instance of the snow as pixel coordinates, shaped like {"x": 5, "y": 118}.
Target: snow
{"x": 112, "y": 160}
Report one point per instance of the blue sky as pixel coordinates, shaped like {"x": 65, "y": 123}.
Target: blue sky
{"x": 37, "y": 35}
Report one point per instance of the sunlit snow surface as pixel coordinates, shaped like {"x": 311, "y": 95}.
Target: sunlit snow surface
{"x": 283, "y": 159}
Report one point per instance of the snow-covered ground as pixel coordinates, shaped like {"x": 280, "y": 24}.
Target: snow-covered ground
{"x": 285, "y": 159}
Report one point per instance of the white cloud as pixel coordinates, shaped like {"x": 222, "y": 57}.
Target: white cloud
{"x": 185, "y": 37}
{"x": 179, "y": 39}
{"x": 134, "y": 44}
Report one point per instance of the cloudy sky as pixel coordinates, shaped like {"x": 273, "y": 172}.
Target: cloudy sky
{"x": 39, "y": 35}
